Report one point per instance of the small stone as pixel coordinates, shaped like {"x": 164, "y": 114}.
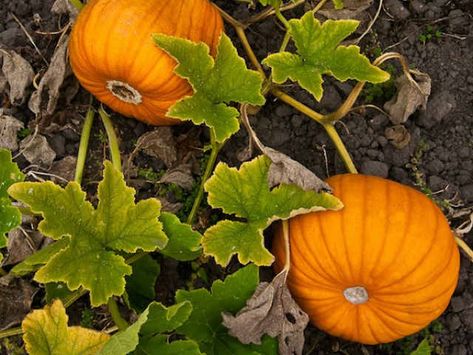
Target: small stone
{"x": 435, "y": 166}
{"x": 397, "y": 9}
{"x": 464, "y": 152}
{"x": 458, "y": 304}
{"x": 331, "y": 99}
{"x": 58, "y": 143}
{"x": 418, "y": 6}
{"x": 379, "y": 121}
{"x": 376, "y": 168}
{"x": 453, "y": 322}
{"x": 399, "y": 174}
{"x": 279, "y": 136}
{"x": 467, "y": 192}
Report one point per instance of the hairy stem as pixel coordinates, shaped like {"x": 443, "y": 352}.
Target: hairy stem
{"x": 281, "y": 17}
{"x": 341, "y": 149}
{"x": 297, "y": 105}
{"x": 112, "y": 139}
{"x": 77, "y": 4}
{"x": 208, "y": 170}
{"x": 112, "y": 306}
{"x": 84, "y": 144}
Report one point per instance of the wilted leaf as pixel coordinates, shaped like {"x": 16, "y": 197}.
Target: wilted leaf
{"x": 64, "y": 168}
{"x": 16, "y": 296}
{"x": 93, "y": 236}
{"x": 409, "y": 97}
{"x": 184, "y": 244}
{"x": 140, "y": 285}
{"x": 246, "y": 194}
{"x": 272, "y": 311}
{"x": 46, "y": 333}
{"x": 159, "y": 143}
{"x": 319, "y": 52}
{"x": 398, "y": 135}
{"x": 205, "y": 322}
{"x": 283, "y": 169}
{"x": 226, "y": 80}
{"x": 9, "y": 127}
{"x": 44, "y": 100}
{"x": 20, "y": 246}
{"x": 36, "y": 150}
{"x": 18, "y": 73}
{"x": 180, "y": 175}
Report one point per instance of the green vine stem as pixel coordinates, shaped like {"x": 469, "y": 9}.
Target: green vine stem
{"x": 281, "y": 17}
{"x": 83, "y": 145}
{"x": 77, "y": 4}
{"x": 215, "y": 148}
{"x": 112, "y": 139}
{"x": 10, "y": 332}
{"x": 115, "y": 313}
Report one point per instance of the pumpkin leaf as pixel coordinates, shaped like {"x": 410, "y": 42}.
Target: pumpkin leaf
{"x": 319, "y": 52}
{"x": 46, "y": 333}
{"x": 246, "y": 194}
{"x": 271, "y": 310}
{"x": 184, "y": 243}
{"x": 205, "y": 322}
{"x": 423, "y": 348}
{"x": 10, "y": 216}
{"x": 216, "y": 83}
{"x": 338, "y": 4}
{"x": 161, "y": 320}
{"x": 94, "y": 235}
{"x": 127, "y": 340}
{"x": 140, "y": 285}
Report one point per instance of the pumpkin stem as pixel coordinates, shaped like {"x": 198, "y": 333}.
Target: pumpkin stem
{"x": 124, "y": 92}
{"x": 356, "y": 295}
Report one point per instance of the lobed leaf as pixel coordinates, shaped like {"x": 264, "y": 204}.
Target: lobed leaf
{"x": 216, "y": 83}
{"x": 246, "y": 194}
{"x": 319, "y": 52}
{"x": 184, "y": 243}
{"x": 140, "y": 285}
{"x": 45, "y": 332}
{"x": 90, "y": 258}
{"x": 205, "y": 322}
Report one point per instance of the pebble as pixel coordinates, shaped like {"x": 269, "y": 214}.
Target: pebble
{"x": 418, "y": 6}
{"x": 397, "y": 9}
{"x": 467, "y": 192}
{"x": 10, "y": 36}
{"x": 58, "y": 143}
{"x": 453, "y": 322}
{"x": 331, "y": 99}
{"x": 376, "y": 168}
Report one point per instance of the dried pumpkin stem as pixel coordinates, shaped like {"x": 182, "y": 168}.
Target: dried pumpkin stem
{"x": 77, "y": 4}
{"x": 465, "y": 247}
{"x": 112, "y": 139}
{"x": 208, "y": 170}
{"x": 287, "y": 245}
{"x": 114, "y": 311}
{"x": 281, "y": 17}
{"x": 84, "y": 144}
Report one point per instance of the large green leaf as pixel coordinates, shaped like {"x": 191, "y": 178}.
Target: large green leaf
{"x": 10, "y": 216}
{"x": 319, "y": 52}
{"x": 216, "y": 83}
{"x": 184, "y": 243}
{"x": 140, "y": 285}
{"x": 205, "y": 322}
{"x": 118, "y": 224}
{"x": 46, "y": 333}
{"x": 246, "y": 194}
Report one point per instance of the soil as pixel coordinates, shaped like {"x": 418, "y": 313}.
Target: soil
{"x": 436, "y": 37}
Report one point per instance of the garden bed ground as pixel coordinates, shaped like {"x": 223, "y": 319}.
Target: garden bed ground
{"x": 436, "y": 37}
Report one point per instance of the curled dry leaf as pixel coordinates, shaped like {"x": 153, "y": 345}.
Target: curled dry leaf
{"x": 271, "y": 310}
{"x": 9, "y": 127}
{"x": 18, "y": 74}
{"x": 283, "y": 169}
{"x": 64, "y": 168}
{"x": 398, "y": 136}
{"x": 15, "y": 300}
{"x": 180, "y": 175}
{"x": 64, "y": 7}
{"x": 43, "y": 101}
{"x": 158, "y": 143}
{"x": 36, "y": 150}
{"x": 21, "y": 245}
{"x": 409, "y": 97}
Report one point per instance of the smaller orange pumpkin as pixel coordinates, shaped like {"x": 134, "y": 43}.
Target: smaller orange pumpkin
{"x": 380, "y": 269}
{"x": 113, "y": 55}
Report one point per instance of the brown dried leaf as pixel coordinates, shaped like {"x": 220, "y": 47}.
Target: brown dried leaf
{"x": 61, "y": 7}
{"x": 271, "y": 310}
{"x": 18, "y": 74}
{"x": 15, "y": 300}
{"x": 284, "y": 170}
{"x": 21, "y": 245}
{"x": 159, "y": 144}
{"x": 36, "y": 150}
{"x": 398, "y": 135}
{"x": 64, "y": 168}
{"x": 168, "y": 206}
{"x": 409, "y": 97}
{"x": 9, "y": 127}
{"x": 180, "y": 175}
{"x": 44, "y": 99}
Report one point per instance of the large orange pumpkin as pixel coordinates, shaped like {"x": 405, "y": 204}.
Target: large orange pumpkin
{"x": 113, "y": 55}
{"x": 380, "y": 269}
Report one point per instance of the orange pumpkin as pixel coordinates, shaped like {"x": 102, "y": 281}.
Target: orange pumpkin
{"x": 380, "y": 269}
{"x": 113, "y": 55}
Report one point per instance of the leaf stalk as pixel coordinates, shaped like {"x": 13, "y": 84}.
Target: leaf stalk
{"x": 112, "y": 139}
